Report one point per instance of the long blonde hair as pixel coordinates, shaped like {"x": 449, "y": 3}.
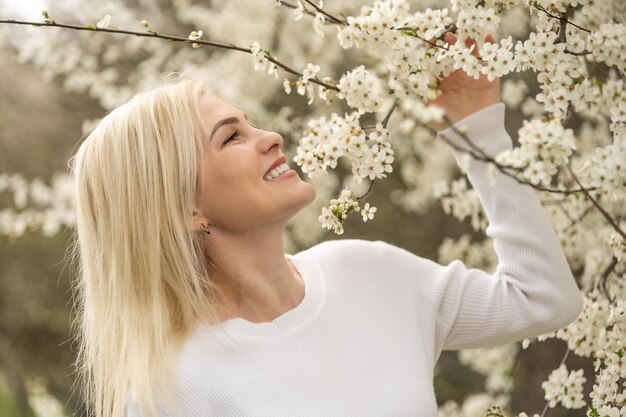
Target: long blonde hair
{"x": 141, "y": 283}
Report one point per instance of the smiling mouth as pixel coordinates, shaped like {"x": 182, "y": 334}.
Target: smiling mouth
{"x": 276, "y": 172}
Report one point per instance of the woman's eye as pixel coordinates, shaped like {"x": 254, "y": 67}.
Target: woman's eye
{"x": 230, "y": 137}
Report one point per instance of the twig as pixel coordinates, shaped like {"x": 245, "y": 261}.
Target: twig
{"x": 386, "y": 119}
{"x": 579, "y": 219}
{"x": 601, "y": 284}
{"x": 412, "y": 33}
{"x": 563, "y": 25}
{"x": 369, "y": 189}
{"x": 293, "y": 6}
{"x": 331, "y": 17}
{"x": 384, "y": 123}
{"x": 545, "y": 408}
{"x": 606, "y": 215}
{"x": 215, "y": 44}
{"x": 560, "y": 18}
{"x": 486, "y": 158}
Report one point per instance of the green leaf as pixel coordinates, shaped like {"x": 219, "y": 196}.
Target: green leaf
{"x": 91, "y": 27}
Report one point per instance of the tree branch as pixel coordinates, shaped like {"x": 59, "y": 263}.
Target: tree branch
{"x": 606, "y": 215}
{"x": 386, "y": 119}
{"x": 482, "y": 156}
{"x": 331, "y": 17}
{"x": 545, "y": 408}
{"x": 601, "y": 284}
{"x": 152, "y": 34}
{"x": 560, "y": 18}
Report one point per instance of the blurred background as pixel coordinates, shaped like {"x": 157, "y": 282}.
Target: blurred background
{"x": 56, "y": 83}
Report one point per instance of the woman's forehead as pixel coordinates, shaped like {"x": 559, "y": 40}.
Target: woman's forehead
{"x": 215, "y": 108}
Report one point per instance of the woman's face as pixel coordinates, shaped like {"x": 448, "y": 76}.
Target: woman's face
{"x": 236, "y": 157}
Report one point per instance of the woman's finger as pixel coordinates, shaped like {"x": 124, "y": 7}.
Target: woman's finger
{"x": 450, "y": 38}
{"x": 469, "y": 42}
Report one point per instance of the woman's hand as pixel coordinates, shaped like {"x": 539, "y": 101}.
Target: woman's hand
{"x": 463, "y": 95}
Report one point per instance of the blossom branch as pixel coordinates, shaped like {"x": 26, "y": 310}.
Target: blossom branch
{"x": 606, "y": 215}
{"x": 545, "y": 408}
{"x": 601, "y": 284}
{"x": 486, "y": 158}
{"x": 331, "y": 17}
{"x": 152, "y": 34}
{"x": 579, "y": 219}
{"x": 563, "y": 22}
{"x": 369, "y": 190}
{"x": 386, "y": 119}
{"x": 409, "y": 31}
{"x": 293, "y": 6}
{"x": 561, "y": 18}
{"x": 384, "y": 123}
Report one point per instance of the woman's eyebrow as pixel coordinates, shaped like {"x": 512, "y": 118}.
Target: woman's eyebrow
{"x": 226, "y": 121}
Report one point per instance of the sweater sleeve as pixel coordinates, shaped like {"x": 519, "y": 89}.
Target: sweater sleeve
{"x": 532, "y": 291}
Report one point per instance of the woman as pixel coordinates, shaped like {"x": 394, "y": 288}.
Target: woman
{"x": 189, "y": 305}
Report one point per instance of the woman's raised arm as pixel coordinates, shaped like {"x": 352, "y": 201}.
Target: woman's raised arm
{"x": 532, "y": 291}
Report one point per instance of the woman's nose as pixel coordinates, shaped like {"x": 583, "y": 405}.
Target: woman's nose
{"x": 272, "y": 140}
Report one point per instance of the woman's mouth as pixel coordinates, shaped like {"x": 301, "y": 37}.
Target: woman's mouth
{"x": 279, "y": 171}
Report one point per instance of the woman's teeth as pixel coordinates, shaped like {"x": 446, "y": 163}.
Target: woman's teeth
{"x": 276, "y": 172}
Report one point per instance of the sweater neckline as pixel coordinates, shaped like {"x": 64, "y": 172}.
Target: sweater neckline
{"x": 289, "y": 321}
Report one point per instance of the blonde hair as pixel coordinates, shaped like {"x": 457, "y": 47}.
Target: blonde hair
{"x": 142, "y": 282}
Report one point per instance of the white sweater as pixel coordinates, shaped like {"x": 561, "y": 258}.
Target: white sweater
{"x": 375, "y": 317}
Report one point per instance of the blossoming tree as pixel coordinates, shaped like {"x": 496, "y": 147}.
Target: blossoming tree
{"x": 371, "y": 76}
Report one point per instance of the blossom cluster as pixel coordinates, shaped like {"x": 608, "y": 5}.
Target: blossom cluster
{"x": 41, "y": 401}
{"x": 607, "y": 169}
{"x": 461, "y": 202}
{"x": 608, "y": 45}
{"x": 495, "y": 363}
{"x": 474, "y": 405}
{"x": 473, "y": 254}
{"x": 565, "y": 387}
{"x": 544, "y": 147}
{"x": 475, "y": 21}
{"x": 375, "y": 23}
{"x": 608, "y": 396}
{"x": 260, "y": 61}
{"x": 326, "y": 141}
{"x": 41, "y": 207}
{"x": 597, "y": 333}
{"x": 194, "y": 36}
{"x": 562, "y": 73}
{"x": 305, "y": 87}
{"x": 335, "y": 214}
{"x": 362, "y": 90}
{"x": 318, "y": 21}
{"x": 582, "y": 335}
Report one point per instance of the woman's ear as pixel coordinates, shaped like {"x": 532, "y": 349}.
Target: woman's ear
{"x": 198, "y": 221}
